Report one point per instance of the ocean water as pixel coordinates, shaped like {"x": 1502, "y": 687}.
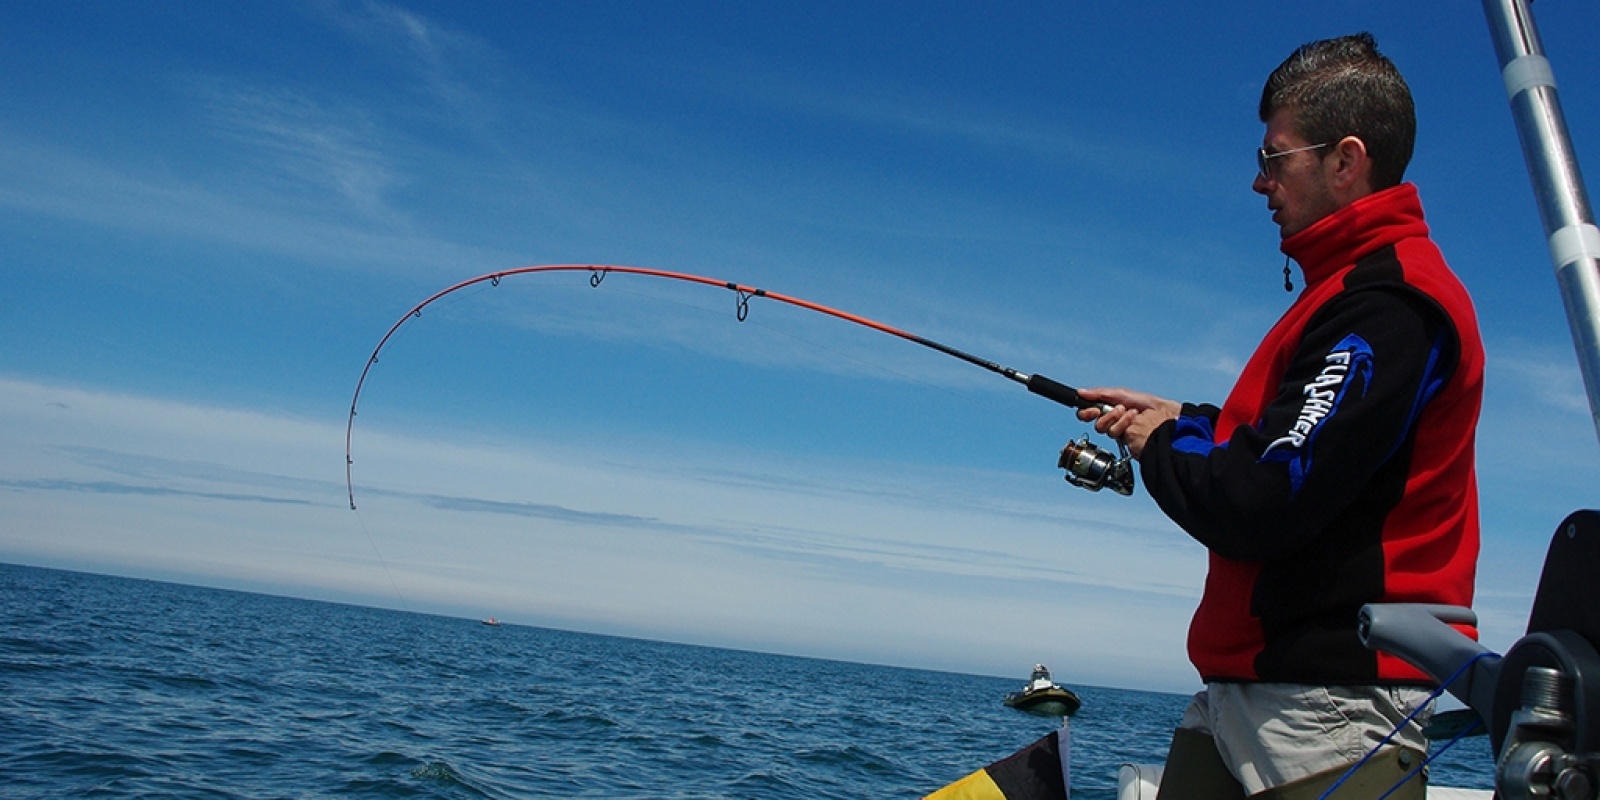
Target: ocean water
{"x": 113, "y": 687}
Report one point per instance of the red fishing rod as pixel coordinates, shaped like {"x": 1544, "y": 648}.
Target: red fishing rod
{"x": 1087, "y": 466}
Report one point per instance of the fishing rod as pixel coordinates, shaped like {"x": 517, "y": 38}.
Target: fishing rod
{"x": 1087, "y": 465}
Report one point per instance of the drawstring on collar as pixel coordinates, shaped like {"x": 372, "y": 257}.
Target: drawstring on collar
{"x": 1288, "y": 285}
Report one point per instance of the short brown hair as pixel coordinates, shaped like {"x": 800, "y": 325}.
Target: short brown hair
{"x": 1345, "y": 87}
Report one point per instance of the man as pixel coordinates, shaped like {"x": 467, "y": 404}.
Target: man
{"x": 1339, "y": 471}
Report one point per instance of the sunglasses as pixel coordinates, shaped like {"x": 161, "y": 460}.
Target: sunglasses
{"x": 1264, "y": 158}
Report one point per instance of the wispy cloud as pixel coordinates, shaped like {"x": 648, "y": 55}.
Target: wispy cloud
{"x": 1545, "y": 374}
{"x": 547, "y": 511}
{"x": 41, "y": 179}
{"x": 90, "y": 444}
{"x": 453, "y": 65}
{"x": 303, "y": 145}
{"x": 115, "y": 488}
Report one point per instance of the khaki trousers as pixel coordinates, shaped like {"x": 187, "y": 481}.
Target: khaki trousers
{"x": 1247, "y": 739}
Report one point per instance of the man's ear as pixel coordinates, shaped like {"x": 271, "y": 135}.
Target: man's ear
{"x": 1349, "y": 168}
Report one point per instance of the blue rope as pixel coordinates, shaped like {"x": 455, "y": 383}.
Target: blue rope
{"x": 1390, "y": 736}
{"x": 1433, "y": 755}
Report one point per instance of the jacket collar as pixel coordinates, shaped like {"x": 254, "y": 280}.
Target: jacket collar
{"x": 1346, "y": 236}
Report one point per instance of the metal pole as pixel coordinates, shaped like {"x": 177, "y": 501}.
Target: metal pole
{"x": 1557, "y": 185}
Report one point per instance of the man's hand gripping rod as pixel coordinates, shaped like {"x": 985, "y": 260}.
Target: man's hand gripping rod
{"x": 1087, "y": 465}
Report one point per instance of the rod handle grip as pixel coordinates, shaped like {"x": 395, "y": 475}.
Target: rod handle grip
{"x": 1059, "y": 392}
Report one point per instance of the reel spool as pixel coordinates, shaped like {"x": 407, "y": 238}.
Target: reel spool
{"x": 1094, "y": 468}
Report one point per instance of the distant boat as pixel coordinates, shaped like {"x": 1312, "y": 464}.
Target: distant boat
{"x": 492, "y": 621}
{"x": 1043, "y": 698}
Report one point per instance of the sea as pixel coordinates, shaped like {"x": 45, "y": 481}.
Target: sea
{"x": 119, "y": 687}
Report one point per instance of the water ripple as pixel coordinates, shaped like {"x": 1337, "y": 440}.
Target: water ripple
{"x": 113, "y": 687}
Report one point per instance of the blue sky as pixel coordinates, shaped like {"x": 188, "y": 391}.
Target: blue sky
{"x": 208, "y": 216}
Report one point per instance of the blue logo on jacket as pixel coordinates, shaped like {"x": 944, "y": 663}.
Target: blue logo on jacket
{"x": 1351, "y": 358}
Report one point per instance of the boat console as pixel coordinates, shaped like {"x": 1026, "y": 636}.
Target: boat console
{"x": 1540, "y": 700}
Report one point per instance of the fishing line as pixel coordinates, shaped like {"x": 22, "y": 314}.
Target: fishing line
{"x": 1087, "y": 466}
{"x": 382, "y": 561}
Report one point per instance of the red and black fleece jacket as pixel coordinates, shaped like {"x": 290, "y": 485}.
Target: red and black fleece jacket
{"x": 1340, "y": 469}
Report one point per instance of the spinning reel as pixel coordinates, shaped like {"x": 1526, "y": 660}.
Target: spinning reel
{"x": 1094, "y": 468}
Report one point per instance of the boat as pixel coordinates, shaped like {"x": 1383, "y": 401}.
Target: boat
{"x": 492, "y": 621}
{"x": 1042, "y": 697}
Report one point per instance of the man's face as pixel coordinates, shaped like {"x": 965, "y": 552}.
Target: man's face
{"x": 1296, "y": 186}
